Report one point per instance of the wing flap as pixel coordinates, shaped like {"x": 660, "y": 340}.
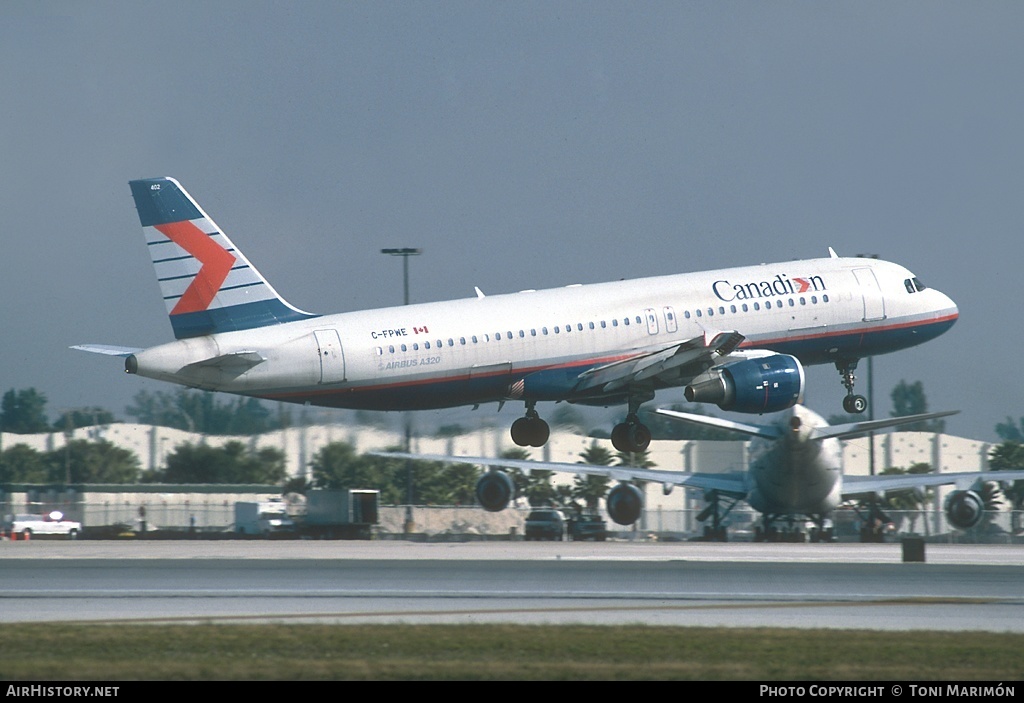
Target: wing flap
{"x": 701, "y": 351}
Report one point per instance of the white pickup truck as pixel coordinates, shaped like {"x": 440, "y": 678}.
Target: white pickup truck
{"x": 28, "y": 526}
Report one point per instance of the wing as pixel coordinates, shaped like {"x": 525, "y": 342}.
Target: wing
{"x": 861, "y": 485}
{"x": 671, "y": 364}
{"x": 732, "y": 483}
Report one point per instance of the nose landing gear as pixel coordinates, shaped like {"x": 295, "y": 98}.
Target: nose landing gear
{"x": 853, "y": 404}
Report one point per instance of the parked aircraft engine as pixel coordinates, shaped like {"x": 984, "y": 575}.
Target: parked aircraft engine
{"x": 761, "y": 385}
{"x": 964, "y": 509}
{"x": 494, "y": 491}
{"x": 624, "y": 503}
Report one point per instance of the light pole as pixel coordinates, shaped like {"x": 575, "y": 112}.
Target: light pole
{"x": 405, "y": 253}
{"x": 871, "y": 396}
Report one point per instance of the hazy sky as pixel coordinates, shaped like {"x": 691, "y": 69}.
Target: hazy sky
{"x": 520, "y": 145}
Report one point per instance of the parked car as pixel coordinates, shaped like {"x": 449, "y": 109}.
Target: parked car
{"x": 588, "y": 526}
{"x": 28, "y": 526}
{"x": 545, "y": 524}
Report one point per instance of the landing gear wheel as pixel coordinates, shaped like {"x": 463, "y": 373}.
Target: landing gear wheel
{"x": 540, "y": 432}
{"x": 855, "y": 404}
{"x": 530, "y": 432}
{"x": 639, "y": 437}
{"x": 521, "y": 432}
{"x": 619, "y": 437}
{"x": 631, "y": 437}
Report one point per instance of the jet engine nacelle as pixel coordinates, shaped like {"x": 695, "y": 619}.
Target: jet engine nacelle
{"x": 624, "y": 503}
{"x": 964, "y": 509}
{"x": 764, "y": 384}
{"x": 495, "y": 490}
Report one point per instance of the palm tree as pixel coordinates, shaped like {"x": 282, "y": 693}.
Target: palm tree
{"x": 591, "y": 489}
{"x": 1005, "y": 457}
{"x": 911, "y": 501}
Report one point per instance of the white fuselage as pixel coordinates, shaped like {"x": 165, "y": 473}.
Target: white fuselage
{"x": 475, "y": 350}
{"x": 796, "y": 474}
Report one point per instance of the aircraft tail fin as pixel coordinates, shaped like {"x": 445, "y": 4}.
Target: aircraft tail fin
{"x": 207, "y": 283}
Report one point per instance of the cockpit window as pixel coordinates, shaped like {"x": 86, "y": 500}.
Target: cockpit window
{"x": 914, "y": 285}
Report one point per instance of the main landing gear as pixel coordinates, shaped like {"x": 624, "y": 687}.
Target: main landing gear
{"x": 531, "y": 430}
{"x": 632, "y": 435}
{"x": 717, "y": 512}
{"x": 629, "y": 436}
{"x": 853, "y": 404}
{"x": 822, "y": 530}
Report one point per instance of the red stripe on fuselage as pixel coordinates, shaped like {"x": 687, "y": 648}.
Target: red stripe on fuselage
{"x": 216, "y": 264}
{"x": 760, "y": 342}
{"x": 312, "y": 395}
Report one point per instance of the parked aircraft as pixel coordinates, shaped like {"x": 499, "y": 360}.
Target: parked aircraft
{"x": 794, "y": 474}
{"x": 738, "y": 337}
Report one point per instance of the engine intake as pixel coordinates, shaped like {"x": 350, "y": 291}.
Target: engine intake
{"x": 624, "y": 503}
{"x": 495, "y": 490}
{"x": 762, "y": 385}
{"x": 964, "y": 509}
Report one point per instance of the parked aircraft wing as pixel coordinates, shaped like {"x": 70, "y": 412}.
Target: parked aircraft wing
{"x": 861, "y": 485}
{"x": 731, "y": 483}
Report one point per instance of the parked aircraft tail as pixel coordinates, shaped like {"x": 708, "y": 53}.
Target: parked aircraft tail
{"x": 208, "y": 285}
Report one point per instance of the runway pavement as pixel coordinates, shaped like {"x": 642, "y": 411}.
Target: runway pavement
{"x": 957, "y": 587}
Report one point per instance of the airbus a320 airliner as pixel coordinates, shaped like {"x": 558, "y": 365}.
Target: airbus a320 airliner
{"x": 738, "y": 337}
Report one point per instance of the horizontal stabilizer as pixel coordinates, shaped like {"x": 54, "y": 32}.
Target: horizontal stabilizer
{"x": 108, "y": 349}
{"x": 744, "y": 428}
{"x": 236, "y": 361}
{"x": 857, "y": 429}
